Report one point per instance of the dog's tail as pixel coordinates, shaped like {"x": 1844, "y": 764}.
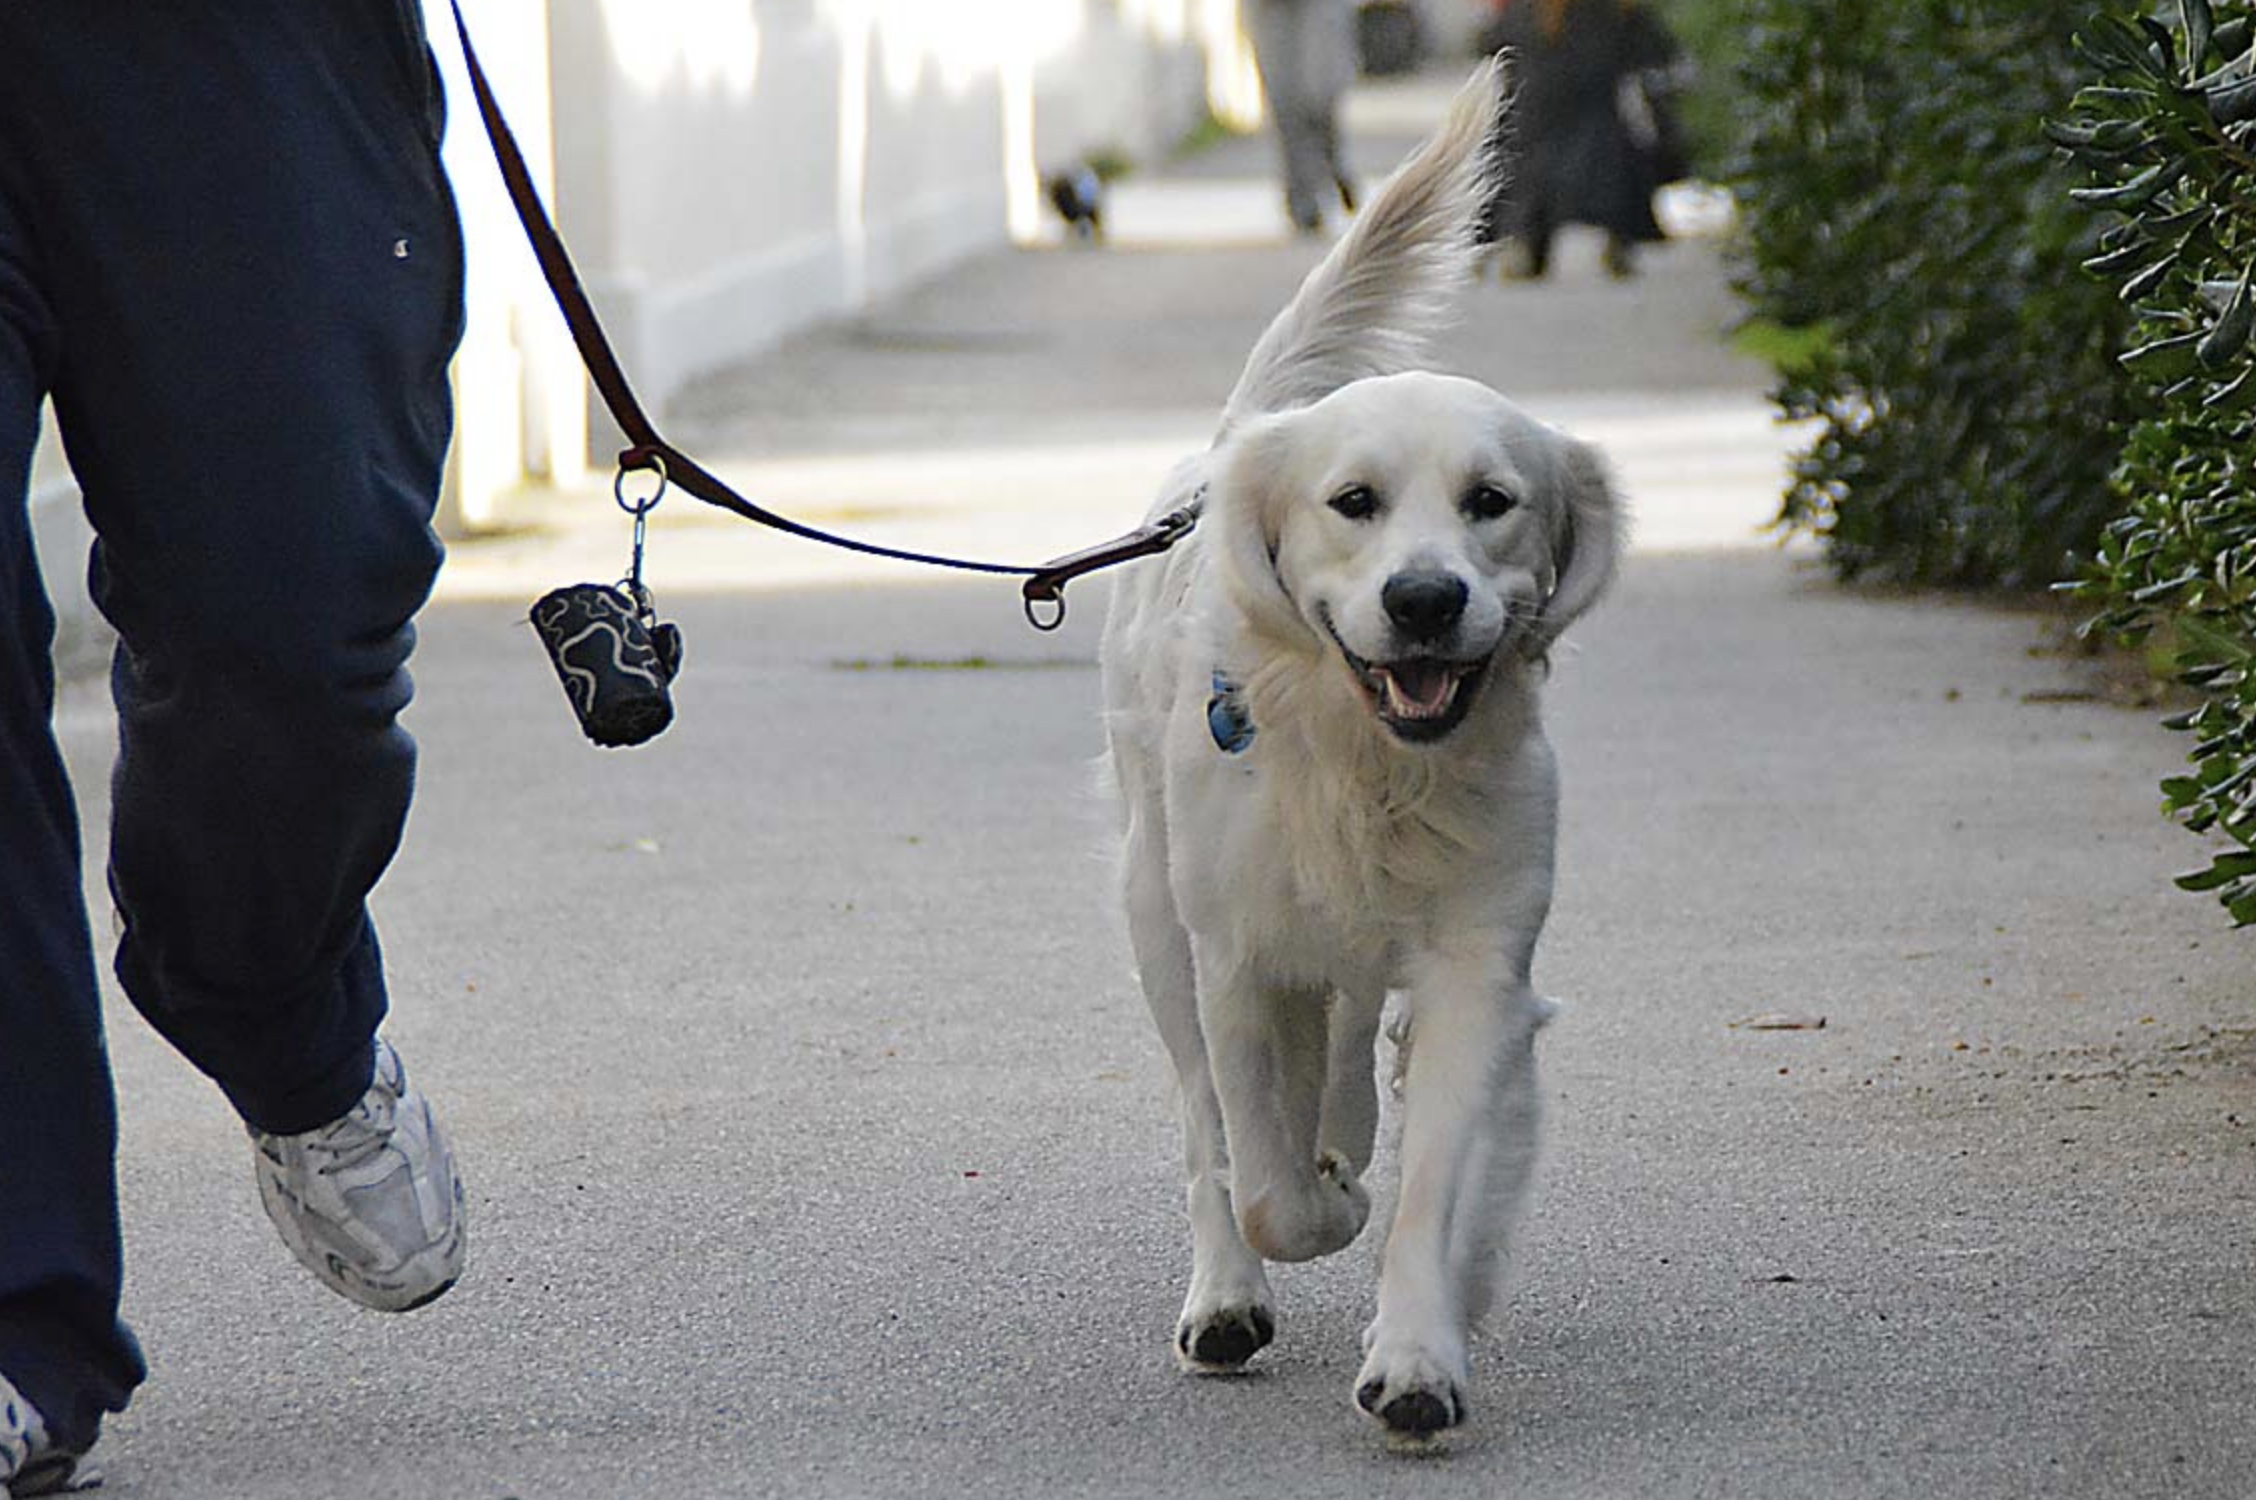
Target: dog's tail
{"x": 1391, "y": 282}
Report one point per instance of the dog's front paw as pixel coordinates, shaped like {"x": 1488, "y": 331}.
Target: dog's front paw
{"x": 1300, "y": 1221}
{"x": 1412, "y": 1392}
{"x": 1219, "y": 1340}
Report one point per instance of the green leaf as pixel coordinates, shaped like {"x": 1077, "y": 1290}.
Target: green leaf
{"x": 2111, "y": 263}
{"x": 2184, "y": 221}
{"x": 2134, "y": 191}
{"x": 2097, "y": 97}
{"x": 2102, "y": 43}
{"x": 2241, "y": 62}
{"x": 2095, "y": 137}
{"x": 2148, "y": 279}
{"x": 2232, "y": 103}
{"x": 2237, "y": 397}
{"x": 2200, "y": 24}
{"x": 2165, "y": 46}
{"x": 2230, "y": 334}
{"x": 2154, "y": 591}
{"x": 2164, "y": 360}
{"x": 2225, "y": 869}
{"x": 2210, "y": 642}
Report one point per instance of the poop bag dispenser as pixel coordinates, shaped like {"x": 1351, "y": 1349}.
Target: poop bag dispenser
{"x": 617, "y": 661}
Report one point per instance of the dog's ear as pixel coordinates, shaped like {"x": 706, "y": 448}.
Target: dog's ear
{"x": 1247, "y": 503}
{"x": 1586, "y": 544}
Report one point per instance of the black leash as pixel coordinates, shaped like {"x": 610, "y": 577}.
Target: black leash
{"x": 1043, "y": 591}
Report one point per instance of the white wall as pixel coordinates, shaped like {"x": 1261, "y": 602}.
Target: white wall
{"x": 519, "y": 414}
{"x": 729, "y": 171}
{"x": 1136, "y": 76}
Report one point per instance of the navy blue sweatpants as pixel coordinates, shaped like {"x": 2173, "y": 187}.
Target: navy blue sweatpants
{"x": 229, "y": 254}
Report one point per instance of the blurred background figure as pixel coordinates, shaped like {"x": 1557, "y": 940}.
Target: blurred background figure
{"x": 1306, "y": 52}
{"x": 1593, "y": 133}
{"x": 1078, "y": 196}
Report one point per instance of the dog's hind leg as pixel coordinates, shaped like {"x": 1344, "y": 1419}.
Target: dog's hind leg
{"x": 1351, "y": 1094}
{"x": 1499, "y": 1171}
{"x": 1228, "y": 1314}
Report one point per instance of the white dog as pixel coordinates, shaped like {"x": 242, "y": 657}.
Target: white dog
{"x": 1334, "y": 786}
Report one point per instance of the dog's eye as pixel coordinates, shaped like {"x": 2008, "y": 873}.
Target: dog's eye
{"x": 1358, "y": 502}
{"x": 1485, "y": 502}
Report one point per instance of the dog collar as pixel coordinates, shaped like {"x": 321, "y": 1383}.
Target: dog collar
{"x": 1226, "y": 716}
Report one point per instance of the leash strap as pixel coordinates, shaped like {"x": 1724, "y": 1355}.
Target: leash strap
{"x": 1043, "y": 590}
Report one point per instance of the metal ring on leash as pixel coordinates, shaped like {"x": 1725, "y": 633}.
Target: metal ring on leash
{"x": 645, "y": 459}
{"x": 1045, "y": 610}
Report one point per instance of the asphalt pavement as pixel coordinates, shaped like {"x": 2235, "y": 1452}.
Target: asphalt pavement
{"x": 818, "y": 1144}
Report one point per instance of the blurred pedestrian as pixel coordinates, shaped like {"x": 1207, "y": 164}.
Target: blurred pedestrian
{"x": 1306, "y": 52}
{"x": 229, "y": 254}
{"x": 1591, "y": 134}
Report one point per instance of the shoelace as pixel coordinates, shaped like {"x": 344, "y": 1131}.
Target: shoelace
{"x": 356, "y": 1138}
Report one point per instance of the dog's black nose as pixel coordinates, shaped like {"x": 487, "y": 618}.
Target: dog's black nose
{"x": 1424, "y": 606}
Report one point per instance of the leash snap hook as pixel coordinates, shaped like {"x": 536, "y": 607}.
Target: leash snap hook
{"x": 637, "y": 460}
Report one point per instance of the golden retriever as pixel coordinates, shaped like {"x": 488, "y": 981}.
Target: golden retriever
{"x": 1322, "y": 713}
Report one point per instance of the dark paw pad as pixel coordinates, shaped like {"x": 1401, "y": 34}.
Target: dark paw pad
{"x": 1413, "y": 1413}
{"x": 1227, "y": 1339}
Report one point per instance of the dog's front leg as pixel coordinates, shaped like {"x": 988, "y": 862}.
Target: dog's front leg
{"x": 1228, "y": 1314}
{"x": 1266, "y": 1045}
{"x": 1470, "y": 1120}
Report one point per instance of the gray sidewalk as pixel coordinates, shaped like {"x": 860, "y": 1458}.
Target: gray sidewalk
{"x": 818, "y": 1144}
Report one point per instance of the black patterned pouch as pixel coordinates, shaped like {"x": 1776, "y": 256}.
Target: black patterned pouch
{"x": 614, "y": 657}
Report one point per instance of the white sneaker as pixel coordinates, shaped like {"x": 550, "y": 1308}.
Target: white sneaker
{"x": 369, "y": 1202}
{"x": 30, "y": 1464}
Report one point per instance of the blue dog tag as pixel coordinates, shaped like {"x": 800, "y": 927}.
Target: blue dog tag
{"x": 1226, "y": 716}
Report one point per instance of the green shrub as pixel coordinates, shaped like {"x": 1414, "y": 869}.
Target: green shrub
{"x": 1711, "y": 31}
{"x": 2169, "y": 131}
{"x": 1898, "y": 193}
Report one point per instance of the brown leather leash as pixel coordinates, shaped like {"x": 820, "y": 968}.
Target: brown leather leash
{"x": 1043, "y": 591}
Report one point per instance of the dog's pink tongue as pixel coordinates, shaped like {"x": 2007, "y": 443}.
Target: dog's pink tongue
{"x": 1419, "y": 689}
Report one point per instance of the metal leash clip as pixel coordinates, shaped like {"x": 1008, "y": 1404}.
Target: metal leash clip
{"x": 616, "y": 658}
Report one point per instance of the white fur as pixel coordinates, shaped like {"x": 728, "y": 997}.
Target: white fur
{"x": 1276, "y": 896}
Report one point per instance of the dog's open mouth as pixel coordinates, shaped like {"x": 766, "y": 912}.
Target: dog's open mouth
{"x": 1418, "y": 697}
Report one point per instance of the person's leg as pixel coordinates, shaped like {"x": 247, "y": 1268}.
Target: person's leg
{"x": 1281, "y": 53}
{"x": 61, "y": 1344}
{"x": 258, "y": 284}
{"x": 1309, "y": 181}
{"x": 1621, "y": 256}
{"x": 1538, "y": 230}
{"x": 1336, "y": 162}
{"x": 1333, "y": 71}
